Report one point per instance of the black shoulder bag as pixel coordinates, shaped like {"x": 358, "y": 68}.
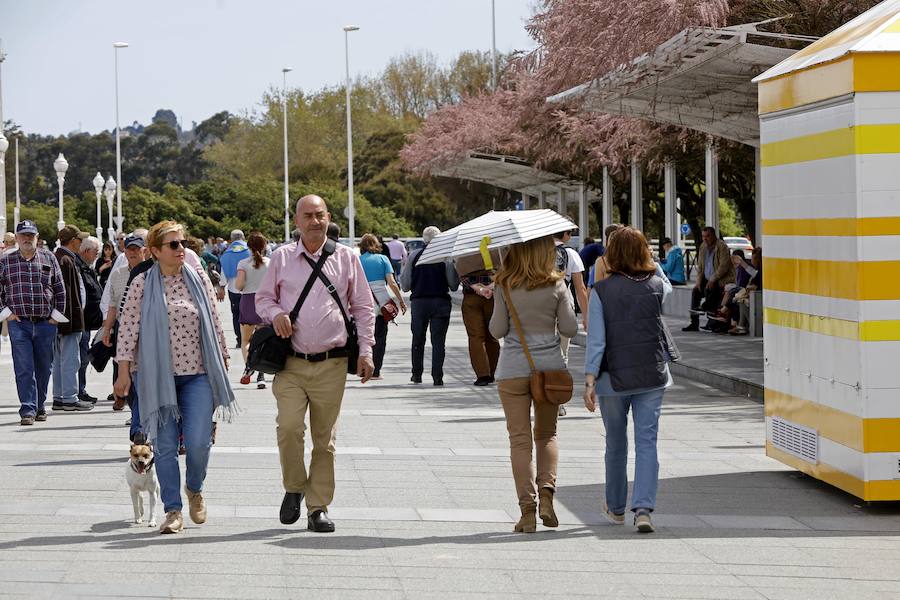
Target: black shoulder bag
{"x": 352, "y": 345}
{"x": 268, "y": 351}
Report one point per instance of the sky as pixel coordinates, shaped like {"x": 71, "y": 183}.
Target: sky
{"x": 198, "y": 57}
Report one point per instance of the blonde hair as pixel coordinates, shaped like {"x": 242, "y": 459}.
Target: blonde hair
{"x": 158, "y": 232}
{"x": 370, "y": 243}
{"x": 628, "y": 252}
{"x": 532, "y": 265}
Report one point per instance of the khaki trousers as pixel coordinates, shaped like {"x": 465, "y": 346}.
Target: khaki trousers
{"x": 484, "y": 350}
{"x": 319, "y": 388}
{"x": 517, "y": 403}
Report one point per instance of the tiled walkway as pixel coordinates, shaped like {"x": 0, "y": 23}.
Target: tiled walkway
{"x": 425, "y": 505}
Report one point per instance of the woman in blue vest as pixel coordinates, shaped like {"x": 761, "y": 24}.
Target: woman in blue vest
{"x": 626, "y": 368}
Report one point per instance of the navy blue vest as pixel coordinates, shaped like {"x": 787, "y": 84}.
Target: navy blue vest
{"x": 429, "y": 281}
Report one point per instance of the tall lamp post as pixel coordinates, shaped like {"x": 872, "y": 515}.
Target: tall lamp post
{"x": 98, "y": 188}
{"x": 17, "y": 211}
{"x": 351, "y": 211}
{"x": 493, "y": 46}
{"x": 4, "y": 146}
{"x": 116, "y": 47}
{"x": 287, "y": 199}
{"x": 110, "y": 194}
{"x": 60, "y": 165}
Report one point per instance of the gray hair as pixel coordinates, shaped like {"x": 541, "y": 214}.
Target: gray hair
{"x": 236, "y": 235}
{"x": 141, "y": 233}
{"x": 90, "y": 243}
{"x": 429, "y": 233}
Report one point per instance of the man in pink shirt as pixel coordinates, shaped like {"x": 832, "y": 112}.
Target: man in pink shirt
{"x": 315, "y": 374}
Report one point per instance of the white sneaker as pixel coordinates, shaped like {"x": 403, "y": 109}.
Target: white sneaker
{"x": 643, "y": 522}
{"x": 613, "y": 517}
{"x": 562, "y": 411}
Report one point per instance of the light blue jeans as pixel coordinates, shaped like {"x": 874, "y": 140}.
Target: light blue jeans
{"x": 645, "y": 409}
{"x": 195, "y": 402}
{"x": 66, "y": 364}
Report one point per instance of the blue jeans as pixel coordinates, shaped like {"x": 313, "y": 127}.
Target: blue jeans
{"x": 83, "y": 348}
{"x": 66, "y": 362}
{"x": 195, "y": 402}
{"x": 645, "y": 414}
{"x": 32, "y": 352}
{"x": 433, "y": 313}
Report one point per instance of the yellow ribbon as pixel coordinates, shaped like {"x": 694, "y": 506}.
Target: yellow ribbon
{"x": 485, "y": 253}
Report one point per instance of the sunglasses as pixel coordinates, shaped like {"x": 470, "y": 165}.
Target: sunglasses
{"x": 176, "y": 244}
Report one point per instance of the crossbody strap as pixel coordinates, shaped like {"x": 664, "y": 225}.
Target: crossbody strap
{"x": 316, "y": 270}
{"x": 333, "y": 291}
{"x": 518, "y": 325}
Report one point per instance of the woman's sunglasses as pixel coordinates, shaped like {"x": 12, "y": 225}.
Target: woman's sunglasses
{"x": 176, "y": 244}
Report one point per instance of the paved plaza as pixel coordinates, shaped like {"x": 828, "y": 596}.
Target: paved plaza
{"x": 425, "y": 506}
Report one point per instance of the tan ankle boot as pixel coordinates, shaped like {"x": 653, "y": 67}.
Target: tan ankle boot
{"x": 527, "y": 523}
{"x": 548, "y": 515}
{"x": 174, "y": 522}
{"x": 196, "y": 506}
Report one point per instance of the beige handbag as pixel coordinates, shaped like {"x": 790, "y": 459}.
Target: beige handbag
{"x": 555, "y": 387}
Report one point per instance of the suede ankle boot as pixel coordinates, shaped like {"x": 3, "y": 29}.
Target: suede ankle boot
{"x": 548, "y": 515}
{"x": 528, "y": 522}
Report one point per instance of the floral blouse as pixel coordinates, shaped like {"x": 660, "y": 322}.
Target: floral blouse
{"x": 184, "y": 324}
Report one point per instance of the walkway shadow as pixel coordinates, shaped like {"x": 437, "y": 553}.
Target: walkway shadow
{"x": 75, "y": 462}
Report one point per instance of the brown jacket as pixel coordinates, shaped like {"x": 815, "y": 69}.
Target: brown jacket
{"x": 724, "y": 270}
{"x": 74, "y": 310}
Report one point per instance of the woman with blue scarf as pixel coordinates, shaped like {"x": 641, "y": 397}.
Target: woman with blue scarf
{"x": 171, "y": 342}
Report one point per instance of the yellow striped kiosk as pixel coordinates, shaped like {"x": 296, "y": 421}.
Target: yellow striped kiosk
{"x": 830, "y": 157}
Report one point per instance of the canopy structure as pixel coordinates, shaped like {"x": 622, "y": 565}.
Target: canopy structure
{"x": 700, "y": 79}
{"x": 507, "y": 172}
{"x": 517, "y": 174}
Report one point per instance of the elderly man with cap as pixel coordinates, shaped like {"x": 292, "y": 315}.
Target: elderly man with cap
{"x": 32, "y": 297}
{"x": 66, "y": 350}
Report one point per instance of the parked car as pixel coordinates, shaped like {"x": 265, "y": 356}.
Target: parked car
{"x": 739, "y": 243}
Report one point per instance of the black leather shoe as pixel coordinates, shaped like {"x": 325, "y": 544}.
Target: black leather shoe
{"x": 85, "y": 397}
{"x": 482, "y": 381}
{"x": 415, "y": 379}
{"x": 319, "y": 522}
{"x": 691, "y": 327}
{"x": 439, "y": 381}
{"x": 290, "y": 508}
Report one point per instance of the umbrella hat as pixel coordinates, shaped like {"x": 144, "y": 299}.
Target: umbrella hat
{"x": 503, "y": 228}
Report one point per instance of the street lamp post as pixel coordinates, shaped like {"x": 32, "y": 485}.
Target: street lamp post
{"x": 493, "y": 46}
{"x": 110, "y": 194}
{"x": 98, "y": 188}
{"x": 17, "y": 211}
{"x": 4, "y": 146}
{"x": 287, "y": 200}
{"x": 351, "y": 211}
{"x": 116, "y": 47}
{"x": 60, "y": 165}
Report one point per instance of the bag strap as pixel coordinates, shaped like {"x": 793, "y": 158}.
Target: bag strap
{"x": 333, "y": 291}
{"x": 327, "y": 251}
{"x": 518, "y": 325}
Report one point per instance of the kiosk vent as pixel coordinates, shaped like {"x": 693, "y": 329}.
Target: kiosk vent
{"x": 795, "y": 439}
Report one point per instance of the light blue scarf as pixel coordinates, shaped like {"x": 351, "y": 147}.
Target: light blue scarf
{"x": 156, "y": 384}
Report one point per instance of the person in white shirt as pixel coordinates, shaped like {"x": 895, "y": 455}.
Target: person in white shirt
{"x": 569, "y": 262}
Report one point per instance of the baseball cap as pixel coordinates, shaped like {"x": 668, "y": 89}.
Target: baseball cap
{"x": 134, "y": 240}
{"x": 70, "y": 232}
{"x": 26, "y": 227}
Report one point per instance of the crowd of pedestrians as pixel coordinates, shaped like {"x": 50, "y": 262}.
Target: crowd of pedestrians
{"x": 151, "y": 297}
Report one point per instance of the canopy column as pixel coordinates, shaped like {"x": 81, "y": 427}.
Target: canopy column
{"x": 757, "y": 201}
{"x": 583, "y": 211}
{"x": 712, "y": 187}
{"x": 607, "y": 200}
{"x": 561, "y": 200}
{"x": 637, "y": 196}
{"x": 672, "y": 225}
{"x": 542, "y": 200}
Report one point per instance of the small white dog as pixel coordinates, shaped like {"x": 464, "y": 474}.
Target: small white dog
{"x": 141, "y": 477}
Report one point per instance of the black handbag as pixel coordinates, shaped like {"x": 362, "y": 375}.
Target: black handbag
{"x": 268, "y": 351}
{"x": 352, "y": 345}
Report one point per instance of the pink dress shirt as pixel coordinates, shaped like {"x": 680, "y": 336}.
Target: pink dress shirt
{"x": 319, "y": 327}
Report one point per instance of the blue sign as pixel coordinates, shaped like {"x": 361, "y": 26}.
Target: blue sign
{"x": 520, "y": 205}
{"x": 685, "y": 229}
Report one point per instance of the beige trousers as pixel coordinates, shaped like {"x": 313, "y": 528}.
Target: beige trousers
{"x": 517, "y": 403}
{"x": 319, "y": 388}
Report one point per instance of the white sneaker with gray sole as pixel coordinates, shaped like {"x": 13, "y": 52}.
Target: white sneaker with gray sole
{"x": 643, "y": 522}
